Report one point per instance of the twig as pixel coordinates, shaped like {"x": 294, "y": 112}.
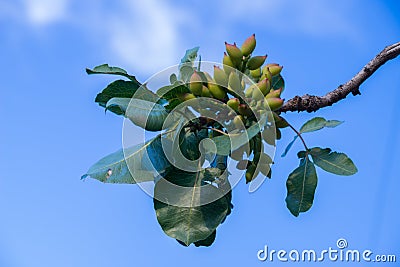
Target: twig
{"x": 299, "y": 135}
{"x": 312, "y": 103}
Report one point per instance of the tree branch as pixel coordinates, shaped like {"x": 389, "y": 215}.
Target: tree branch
{"x": 311, "y": 103}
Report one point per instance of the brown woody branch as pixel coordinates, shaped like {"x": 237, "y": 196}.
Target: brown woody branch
{"x": 311, "y": 103}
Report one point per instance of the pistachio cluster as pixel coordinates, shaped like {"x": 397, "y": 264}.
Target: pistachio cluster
{"x": 228, "y": 85}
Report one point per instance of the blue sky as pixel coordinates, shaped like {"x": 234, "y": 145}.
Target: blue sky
{"x": 52, "y": 130}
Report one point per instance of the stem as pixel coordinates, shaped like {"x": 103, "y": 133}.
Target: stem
{"x": 299, "y": 135}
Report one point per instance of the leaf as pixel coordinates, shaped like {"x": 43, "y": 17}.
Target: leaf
{"x": 185, "y": 72}
{"x": 223, "y": 142}
{"x": 289, "y": 146}
{"x": 186, "y": 65}
{"x": 173, "y": 78}
{"x": 190, "y": 56}
{"x": 208, "y": 241}
{"x": 119, "y": 88}
{"x": 301, "y": 154}
{"x": 189, "y": 143}
{"x": 145, "y": 160}
{"x": 301, "y": 186}
{"x": 148, "y": 115}
{"x": 318, "y": 123}
{"x": 171, "y": 92}
{"x": 334, "y": 162}
{"x": 144, "y": 93}
{"x": 106, "y": 69}
{"x": 277, "y": 82}
{"x": 181, "y": 215}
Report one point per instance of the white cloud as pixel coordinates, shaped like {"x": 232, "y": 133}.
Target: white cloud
{"x": 146, "y": 34}
{"x": 44, "y": 12}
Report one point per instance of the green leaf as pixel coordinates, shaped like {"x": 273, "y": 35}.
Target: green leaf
{"x": 186, "y": 65}
{"x": 173, "y": 79}
{"x": 189, "y": 143}
{"x": 106, "y": 69}
{"x": 223, "y": 142}
{"x": 301, "y": 186}
{"x": 318, "y": 123}
{"x": 301, "y": 154}
{"x": 119, "y": 88}
{"x": 171, "y": 92}
{"x": 334, "y": 162}
{"x": 190, "y": 56}
{"x": 146, "y": 114}
{"x": 181, "y": 215}
{"x": 145, "y": 160}
{"x": 277, "y": 82}
{"x": 208, "y": 241}
{"x": 144, "y": 93}
{"x": 289, "y": 146}
{"x": 185, "y": 72}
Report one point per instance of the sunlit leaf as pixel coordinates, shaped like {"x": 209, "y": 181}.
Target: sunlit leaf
{"x": 144, "y": 160}
{"x": 106, "y": 69}
{"x": 318, "y": 123}
{"x": 186, "y": 65}
{"x": 148, "y": 115}
{"x": 334, "y": 162}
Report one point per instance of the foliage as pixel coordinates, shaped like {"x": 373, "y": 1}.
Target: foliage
{"x": 239, "y": 120}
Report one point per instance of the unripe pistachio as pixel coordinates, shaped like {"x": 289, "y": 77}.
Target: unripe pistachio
{"x": 251, "y": 169}
{"x": 238, "y": 122}
{"x": 274, "y": 103}
{"x": 255, "y": 73}
{"x": 264, "y": 86}
{"x": 274, "y": 68}
{"x": 234, "y": 53}
{"x": 208, "y": 76}
{"x": 195, "y": 84}
{"x": 216, "y": 91}
{"x": 266, "y": 73}
{"x": 186, "y": 96}
{"x": 233, "y": 103}
{"x": 248, "y": 45}
{"x": 244, "y": 110}
{"x": 256, "y": 62}
{"x": 274, "y": 93}
{"x": 205, "y": 92}
{"x": 234, "y": 82}
{"x": 220, "y": 76}
{"x": 227, "y": 64}
{"x": 249, "y": 92}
